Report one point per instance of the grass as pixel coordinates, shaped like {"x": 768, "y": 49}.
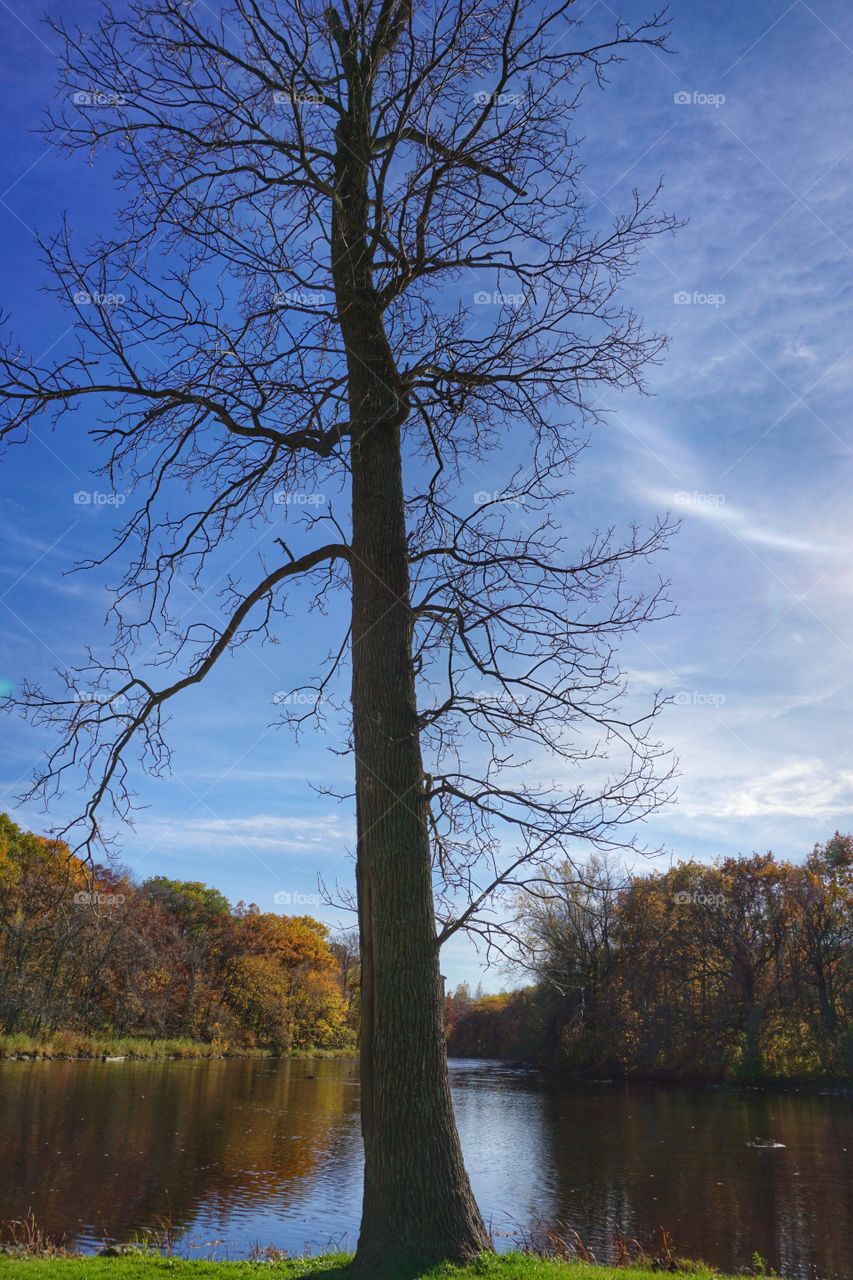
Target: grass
{"x": 76, "y": 1044}
{"x": 349, "y": 1054}
{"x": 142, "y": 1266}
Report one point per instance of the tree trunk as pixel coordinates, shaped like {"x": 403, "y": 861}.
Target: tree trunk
{"x": 418, "y": 1207}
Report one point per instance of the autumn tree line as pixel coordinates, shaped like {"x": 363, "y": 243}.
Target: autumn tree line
{"x": 91, "y": 950}
{"x": 738, "y": 970}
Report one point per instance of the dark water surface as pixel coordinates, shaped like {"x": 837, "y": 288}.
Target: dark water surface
{"x": 236, "y": 1153}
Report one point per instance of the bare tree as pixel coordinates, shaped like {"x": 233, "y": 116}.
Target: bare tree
{"x": 314, "y": 199}
{"x": 565, "y": 931}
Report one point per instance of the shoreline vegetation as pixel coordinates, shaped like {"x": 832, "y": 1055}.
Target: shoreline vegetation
{"x": 140, "y": 1265}
{"x": 73, "y": 1046}
{"x": 77, "y": 1046}
{"x": 547, "y": 1251}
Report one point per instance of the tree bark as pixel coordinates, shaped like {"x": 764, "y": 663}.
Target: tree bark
{"x": 418, "y": 1207}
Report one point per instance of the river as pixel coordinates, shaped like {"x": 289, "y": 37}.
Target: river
{"x": 225, "y": 1155}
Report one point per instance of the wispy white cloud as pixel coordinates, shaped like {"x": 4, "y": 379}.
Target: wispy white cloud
{"x": 797, "y": 789}
{"x": 262, "y": 832}
{"x": 740, "y": 521}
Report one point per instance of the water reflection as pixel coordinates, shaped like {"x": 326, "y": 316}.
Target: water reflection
{"x": 246, "y": 1152}
{"x": 98, "y": 1150}
{"x": 641, "y": 1158}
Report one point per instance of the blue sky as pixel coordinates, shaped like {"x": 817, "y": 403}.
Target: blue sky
{"x": 746, "y": 436}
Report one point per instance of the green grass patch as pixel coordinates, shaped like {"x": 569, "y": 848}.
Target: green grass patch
{"x": 145, "y": 1266}
{"x": 349, "y": 1054}
{"x": 76, "y": 1044}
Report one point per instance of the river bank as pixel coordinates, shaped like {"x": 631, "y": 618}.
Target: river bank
{"x": 671, "y": 1079}
{"x": 557, "y": 1075}
{"x": 72, "y": 1045}
{"x": 141, "y": 1266}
